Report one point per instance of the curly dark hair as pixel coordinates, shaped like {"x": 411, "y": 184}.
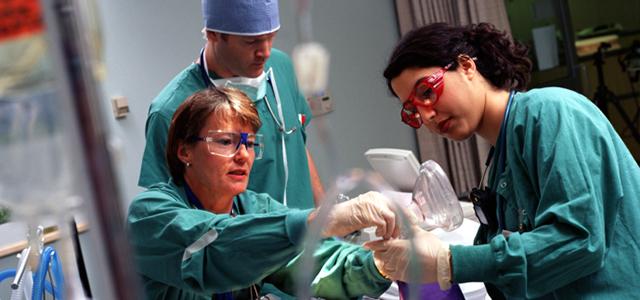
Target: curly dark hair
{"x": 501, "y": 61}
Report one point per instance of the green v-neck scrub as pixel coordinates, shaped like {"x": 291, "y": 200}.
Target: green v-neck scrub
{"x": 570, "y": 198}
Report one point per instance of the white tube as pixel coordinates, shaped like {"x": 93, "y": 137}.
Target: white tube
{"x": 27, "y": 284}
{"x": 16, "y": 294}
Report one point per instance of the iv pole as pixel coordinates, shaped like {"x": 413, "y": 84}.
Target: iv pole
{"x": 70, "y": 53}
{"x": 604, "y": 96}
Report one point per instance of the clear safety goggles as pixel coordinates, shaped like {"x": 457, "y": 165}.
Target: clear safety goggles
{"x": 425, "y": 93}
{"x": 227, "y": 144}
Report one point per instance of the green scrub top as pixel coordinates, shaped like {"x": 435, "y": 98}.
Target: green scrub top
{"x": 186, "y": 253}
{"x": 570, "y": 195}
{"x": 268, "y": 174}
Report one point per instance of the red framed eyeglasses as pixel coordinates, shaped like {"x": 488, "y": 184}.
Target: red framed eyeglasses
{"x": 425, "y": 93}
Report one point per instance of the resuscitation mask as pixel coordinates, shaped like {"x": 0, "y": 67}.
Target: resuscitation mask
{"x": 436, "y": 199}
{"x": 254, "y": 88}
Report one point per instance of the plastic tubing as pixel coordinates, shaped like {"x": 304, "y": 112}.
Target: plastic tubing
{"x": 36, "y": 293}
{"x": 39, "y": 282}
{"x": 6, "y": 274}
{"x": 58, "y": 276}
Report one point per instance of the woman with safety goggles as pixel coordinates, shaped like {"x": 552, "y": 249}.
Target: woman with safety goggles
{"x": 203, "y": 235}
{"x": 561, "y": 213}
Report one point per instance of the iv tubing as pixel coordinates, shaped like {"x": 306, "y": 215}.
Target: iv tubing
{"x": 6, "y": 274}
{"x": 39, "y": 278}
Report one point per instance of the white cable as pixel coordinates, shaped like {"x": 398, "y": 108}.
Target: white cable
{"x": 282, "y": 134}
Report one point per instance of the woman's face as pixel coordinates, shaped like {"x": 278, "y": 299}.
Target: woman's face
{"x": 455, "y": 114}
{"x": 225, "y": 177}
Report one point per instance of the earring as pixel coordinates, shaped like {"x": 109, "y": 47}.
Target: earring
{"x": 466, "y": 57}
{"x": 187, "y": 164}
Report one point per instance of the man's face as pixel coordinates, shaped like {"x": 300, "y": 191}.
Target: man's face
{"x": 244, "y": 56}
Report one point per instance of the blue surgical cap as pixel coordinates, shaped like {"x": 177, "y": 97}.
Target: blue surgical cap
{"x": 241, "y": 17}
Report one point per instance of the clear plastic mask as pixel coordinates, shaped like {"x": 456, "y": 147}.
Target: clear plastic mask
{"x": 434, "y": 199}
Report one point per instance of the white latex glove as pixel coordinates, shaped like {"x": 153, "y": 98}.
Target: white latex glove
{"x": 392, "y": 257}
{"x": 366, "y": 210}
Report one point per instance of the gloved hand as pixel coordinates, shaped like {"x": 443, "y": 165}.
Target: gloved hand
{"x": 366, "y": 210}
{"x": 393, "y": 258}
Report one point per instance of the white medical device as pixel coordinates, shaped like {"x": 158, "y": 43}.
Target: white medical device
{"x": 398, "y": 167}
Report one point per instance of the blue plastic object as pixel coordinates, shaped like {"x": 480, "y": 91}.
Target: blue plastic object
{"x": 8, "y": 273}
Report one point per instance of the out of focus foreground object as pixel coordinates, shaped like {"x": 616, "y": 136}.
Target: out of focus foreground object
{"x": 339, "y": 193}
{"x": 55, "y": 159}
{"x": 310, "y": 58}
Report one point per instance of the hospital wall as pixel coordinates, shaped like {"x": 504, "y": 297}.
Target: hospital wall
{"x": 148, "y": 42}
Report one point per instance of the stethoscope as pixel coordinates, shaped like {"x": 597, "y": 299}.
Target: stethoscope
{"x": 275, "y": 89}
{"x": 502, "y": 149}
{"x": 204, "y": 71}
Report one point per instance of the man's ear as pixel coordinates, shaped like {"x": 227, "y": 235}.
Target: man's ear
{"x": 213, "y": 36}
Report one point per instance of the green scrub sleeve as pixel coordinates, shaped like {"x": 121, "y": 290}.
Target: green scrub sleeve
{"x": 154, "y": 168}
{"x": 467, "y": 258}
{"x": 342, "y": 271}
{"x": 210, "y": 253}
{"x": 296, "y": 223}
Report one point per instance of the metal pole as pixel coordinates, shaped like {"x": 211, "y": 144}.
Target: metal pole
{"x": 66, "y": 36}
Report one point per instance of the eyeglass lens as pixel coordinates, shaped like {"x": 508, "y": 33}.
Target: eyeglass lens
{"x": 228, "y": 143}
{"x": 425, "y": 93}
{"x": 410, "y": 115}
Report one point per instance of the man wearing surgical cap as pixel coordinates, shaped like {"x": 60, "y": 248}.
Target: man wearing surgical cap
{"x": 238, "y": 53}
